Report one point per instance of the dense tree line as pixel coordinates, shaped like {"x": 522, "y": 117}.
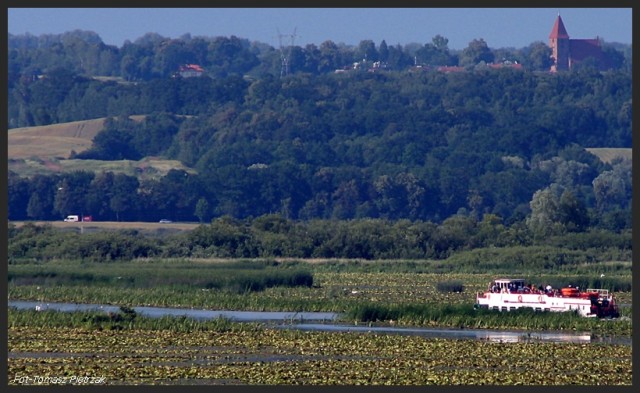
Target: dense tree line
{"x": 153, "y": 56}
{"x": 461, "y": 239}
{"x": 578, "y": 198}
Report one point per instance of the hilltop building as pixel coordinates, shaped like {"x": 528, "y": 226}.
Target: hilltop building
{"x": 189, "y": 71}
{"x": 567, "y": 52}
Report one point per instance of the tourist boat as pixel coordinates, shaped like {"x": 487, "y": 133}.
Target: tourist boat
{"x": 512, "y": 294}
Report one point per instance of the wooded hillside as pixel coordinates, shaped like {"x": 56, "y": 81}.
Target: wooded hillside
{"x": 391, "y": 144}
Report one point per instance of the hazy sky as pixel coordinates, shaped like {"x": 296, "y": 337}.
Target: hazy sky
{"x": 499, "y": 27}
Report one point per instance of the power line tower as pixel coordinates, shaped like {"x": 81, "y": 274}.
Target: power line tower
{"x": 285, "y": 52}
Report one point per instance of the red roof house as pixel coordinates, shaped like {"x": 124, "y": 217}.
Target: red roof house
{"x": 190, "y": 71}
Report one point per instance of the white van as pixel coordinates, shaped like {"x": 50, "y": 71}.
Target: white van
{"x": 72, "y": 219}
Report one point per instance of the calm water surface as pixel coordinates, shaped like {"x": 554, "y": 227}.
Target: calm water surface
{"x": 328, "y": 321}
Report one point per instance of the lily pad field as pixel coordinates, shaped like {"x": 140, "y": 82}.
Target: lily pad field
{"x": 93, "y": 348}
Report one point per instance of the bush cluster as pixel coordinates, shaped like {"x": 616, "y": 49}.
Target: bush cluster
{"x": 451, "y": 286}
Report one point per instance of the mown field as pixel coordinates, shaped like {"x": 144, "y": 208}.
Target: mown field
{"x": 51, "y": 141}
{"x": 609, "y": 154}
{"x": 46, "y": 149}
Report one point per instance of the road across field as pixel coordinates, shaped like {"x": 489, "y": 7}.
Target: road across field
{"x": 113, "y": 225}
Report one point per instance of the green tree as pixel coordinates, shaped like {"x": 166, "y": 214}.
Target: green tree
{"x": 490, "y": 231}
{"x": 453, "y": 234}
{"x": 398, "y": 58}
{"x": 477, "y": 51}
{"x": 612, "y": 189}
{"x": 440, "y": 43}
{"x": 366, "y": 51}
{"x": 155, "y": 134}
{"x": 114, "y": 142}
{"x": 538, "y": 57}
{"x": 330, "y": 57}
{"x": 545, "y": 216}
{"x": 203, "y": 210}
{"x": 70, "y": 197}
{"x": 18, "y": 196}
{"x": 123, "y": 195}
{"x": 435, "y": 53}
{"x": 383, "y": 51}
{"x": 346, "y": 198}
{"x": 43, "y": 190}
{"x": 615, "y": 58}
{"x": 36, "y": 208}
{"x": 572, "y": 212}
{"x": 97, "y": 199}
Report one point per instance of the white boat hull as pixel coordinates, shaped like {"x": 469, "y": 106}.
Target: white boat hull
{"x": 537, "y": 302}
{"x": 512, "y": 294}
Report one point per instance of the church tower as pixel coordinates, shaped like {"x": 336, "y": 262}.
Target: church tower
{"x": 559, "y": 43}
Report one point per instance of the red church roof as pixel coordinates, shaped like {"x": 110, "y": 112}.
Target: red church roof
{"x": 581, "y": 49}
{"x": 558, "y": 30}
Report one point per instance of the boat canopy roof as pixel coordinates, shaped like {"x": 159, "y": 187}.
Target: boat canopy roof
{"x": 506, "y": 283}
{"x": 508, "y": 280}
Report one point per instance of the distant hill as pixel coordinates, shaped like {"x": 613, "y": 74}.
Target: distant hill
{"x": 607, "y": 155}
{"x": 389, "y": 145}
{"x": 45, "y": 149}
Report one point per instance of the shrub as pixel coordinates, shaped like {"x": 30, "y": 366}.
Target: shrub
{"x": 455, "y": 286}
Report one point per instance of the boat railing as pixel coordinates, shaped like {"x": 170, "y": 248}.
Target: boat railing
{"x": 602, "y": 292}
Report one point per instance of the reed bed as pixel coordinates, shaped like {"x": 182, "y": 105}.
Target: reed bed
{"x": 233, "y": 276}
{"x": 401, "y": 296}
{"x": 419, "y": 312}
{"x": 464, "y": 316}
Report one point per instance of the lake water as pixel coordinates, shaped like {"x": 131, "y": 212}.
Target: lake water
{"x": 328, "y": 321}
